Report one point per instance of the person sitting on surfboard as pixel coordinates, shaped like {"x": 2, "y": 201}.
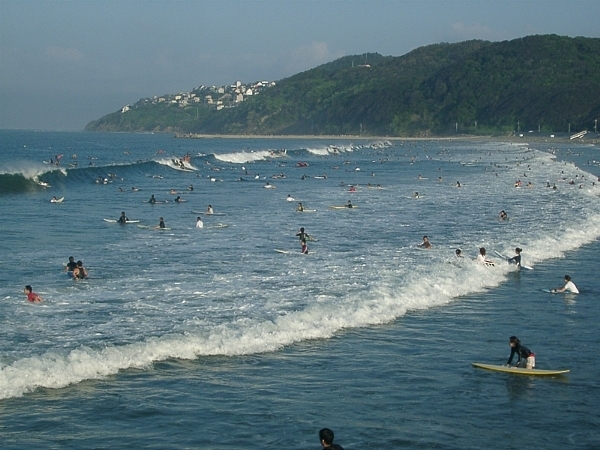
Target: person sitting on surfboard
{"x": 525, "y": 356}
{"x": 349, "y": 205}
{"x": 568, "y": 287}
{"x": 481, "y": 258}
{"x": 209, "y": 210}
{"x": 80, "y": 273}
{"x": 425, "y": 244}
{"x": 304, "y": 249}
{"x": 32, "y": 296}
{"x": 300, "y": 207}
{"x": 161, "y": 223}
{"x": 516, "y": 259}
{"x": 152, "y": 200}
{"x": 123, "y": 219}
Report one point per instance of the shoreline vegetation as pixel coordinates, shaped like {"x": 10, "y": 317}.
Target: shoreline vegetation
{"x": 546, "y": 83}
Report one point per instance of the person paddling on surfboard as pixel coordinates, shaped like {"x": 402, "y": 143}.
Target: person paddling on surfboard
{"x": 123, "y": 219}
{"x": 525, "y": 356}
{"x": 568, "y": 287}
{"x": 517, "y": 258}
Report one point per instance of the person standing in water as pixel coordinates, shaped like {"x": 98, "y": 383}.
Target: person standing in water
{"x": 425, "y": 244}
{"x": 199, "y": 223}
{"x": 80, "y": 273}
{"x": 32, "y": 297}
{"x": 123, "y": 219}
{"x": 302, "y": 235}
{"x": 481, "y": 259}
{"x": 304, "y": 249}
{"x": 517, "y": 258}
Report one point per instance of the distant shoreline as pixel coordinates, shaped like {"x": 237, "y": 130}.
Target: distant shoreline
{"x": 526, "y": 138}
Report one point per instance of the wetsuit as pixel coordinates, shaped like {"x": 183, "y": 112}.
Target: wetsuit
{"x": 152, "y": 200}
{"x": 71, "y": 266}
{"x": 303, "y": 236}
{"x": 122, "y": 220}
{"x": 516, "y": 260}
{"x": 161, "y": 224}
{"x": 521, "y": 351}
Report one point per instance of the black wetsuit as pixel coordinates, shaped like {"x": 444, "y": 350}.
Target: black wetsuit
{"x": 302, "y": 236}
{"x": 516, "y": 260}
{"x": 152, "y": 200}
{"x": 521, "y": 351}
{"x": 161, "y": 224}
{"x": 122, "y": 220}
{"x": 71, "y": 266}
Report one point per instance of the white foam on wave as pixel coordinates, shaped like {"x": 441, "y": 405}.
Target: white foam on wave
{"x": 400, "y": 287}
{"x": 30, "y": 170}
{"x": 248, "y": 157}
{"x": 170, "y": 163}
{"x": 330, "y": 150}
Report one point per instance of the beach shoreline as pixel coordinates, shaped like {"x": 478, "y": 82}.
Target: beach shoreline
{"x": 501, "y": 138}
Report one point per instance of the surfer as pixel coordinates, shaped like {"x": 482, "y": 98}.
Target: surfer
{"x": 302, "y": 235}
{"x": 199, "y": 223}
{"x": 502, "y": 215}
{"x": 209, "y": 210}
{"x": 290, "y": 198}
{"x": 123, "y": 219}
{"x": 458, "y": 184}
{"x": 517, "y": 258}
{"x": 71, "y": 265}
{"x": 481, "y": 258}
{"x": 326, "y": 439}
{"x": 568, "y": 287}
{"x": 161, "y": 223}
{"x": 425, "y": 244}
{"x": 32, "y": 296}
{"x": 80, "y": 273}
{"x": 54, "y": 199}
{"x": 525, "y": 356}
{"x": 152, "y": 200}
{"x": 304, "y": 249}
{"x": 300, "y": 208}
{"x": 349, "y": 204}
{"x": 459, "y": 254}
{"x": 178, "y": 199}
{"x": 416, "y": 195}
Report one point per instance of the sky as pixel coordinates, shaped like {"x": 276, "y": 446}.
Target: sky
{"x": 66, "y": 63}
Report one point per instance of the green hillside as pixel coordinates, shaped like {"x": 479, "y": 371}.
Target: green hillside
{"x": 475, "y": 87}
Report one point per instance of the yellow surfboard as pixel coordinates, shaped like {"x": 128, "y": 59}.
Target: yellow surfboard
{"x": 520, "y": 370}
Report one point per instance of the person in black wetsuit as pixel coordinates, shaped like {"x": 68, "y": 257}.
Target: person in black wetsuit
{"x": 326, "y": 439}
{"x": 302, "y": 235}
{"x": 152, "y": 200}
{"x": 525, "y": 356}
{"x": 70, "y": 267}
{"x": 517, "y": 258}
{"x": 123, "y": 219}
{"x": 161, "y": 223}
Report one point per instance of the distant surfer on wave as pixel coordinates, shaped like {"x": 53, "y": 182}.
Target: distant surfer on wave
{"x": 32, "y": 297}
{"x": 568, "y": 287}
{"x": 525, "y": 356}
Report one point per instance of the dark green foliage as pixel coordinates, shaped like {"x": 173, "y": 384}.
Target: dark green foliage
{"x": 478, "y": 87}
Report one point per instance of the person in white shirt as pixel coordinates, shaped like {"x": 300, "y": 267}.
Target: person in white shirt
{"x": 481, "y": 259}
{"x": 568, "y": 287}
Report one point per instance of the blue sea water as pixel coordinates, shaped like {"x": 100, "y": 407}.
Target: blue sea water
{"x": 208, "y": 338}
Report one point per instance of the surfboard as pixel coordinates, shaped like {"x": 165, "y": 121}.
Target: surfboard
{"x": 209, "y": 214}
{"x": 506, "y": 258}
{"x": 520, "y": 370}
{"x": 307, "y": 210}
{"x": 58, "y": 200}
{"x": 342, "y": 207}
{"x": 285, "y": 252}
{"x": 115, "y": 221}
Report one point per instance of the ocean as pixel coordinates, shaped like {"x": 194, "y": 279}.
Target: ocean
{"x": 208, "y": 338}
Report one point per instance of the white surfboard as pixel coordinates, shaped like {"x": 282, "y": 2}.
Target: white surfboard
{"x": 115, "y": 221}
{"x": 520, "y": 370}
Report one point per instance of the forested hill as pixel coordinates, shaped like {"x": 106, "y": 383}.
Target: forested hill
{"x": 475, "y": 87}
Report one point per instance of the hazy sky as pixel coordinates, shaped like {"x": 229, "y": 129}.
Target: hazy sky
{"x": 65, "y": 63}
